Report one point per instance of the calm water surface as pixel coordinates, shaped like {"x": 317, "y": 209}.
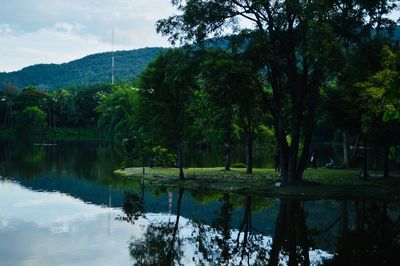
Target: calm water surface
{"x": 61, "y": 205}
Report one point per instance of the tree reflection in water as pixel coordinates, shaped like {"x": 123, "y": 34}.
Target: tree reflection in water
{"x": 160, "y": 244}
{"x": 220, "y": 245}
{"x": 371, "y": 237}
{"x": 290, "y": 234}
{"x": 366, "y": 235}
{"x": 133, "y": 206}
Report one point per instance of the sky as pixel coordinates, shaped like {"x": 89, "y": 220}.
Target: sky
{"x": 57, "y": 31}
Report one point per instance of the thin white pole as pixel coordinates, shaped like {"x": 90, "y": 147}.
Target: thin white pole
{"x": 112, "y": 59}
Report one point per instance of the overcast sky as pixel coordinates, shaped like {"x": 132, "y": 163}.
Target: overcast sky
{"x": 57, "y": 31}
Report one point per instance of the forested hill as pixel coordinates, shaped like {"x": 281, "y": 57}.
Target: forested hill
{"x": 91, "y": 69}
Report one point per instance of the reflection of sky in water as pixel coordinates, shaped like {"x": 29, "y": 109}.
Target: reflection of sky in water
{"x": 189, "y": 233}
{"x": 50, "y": 228}
{"x": 52, "y": 210}
{"x": 42, "y": 228}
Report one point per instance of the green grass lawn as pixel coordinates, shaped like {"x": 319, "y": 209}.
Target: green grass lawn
{"x": 321, "y": 183}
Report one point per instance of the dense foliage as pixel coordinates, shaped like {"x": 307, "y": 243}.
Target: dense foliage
{"x": 62, "y": 108}
{"x": 30, "y": 120}
{"x": 295, "y": 48}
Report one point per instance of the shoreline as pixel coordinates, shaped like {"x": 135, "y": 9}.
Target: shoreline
{"x": 339, "y": 184}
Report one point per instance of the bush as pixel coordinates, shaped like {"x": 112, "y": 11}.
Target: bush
{"x": 163, "y": 158}
{"x": 239, "y": 165}
{"x": 30, "y": 120}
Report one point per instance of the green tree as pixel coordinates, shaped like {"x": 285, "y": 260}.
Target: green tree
{"x": 166, "y": 89}
{"x": 162, "y": 157}
{"x": 8, "y": 98}
{"x": 30, "y": 120}
{"x": 119, "y": 120}
{"x": 86, "y": 100}
{"x": 31, "y": 96}
{"x": 229, "y": 81}
{"x": 161, "y": 244}
{"x": 62, "y": 110}
{"x": 294, "y": 44}
{"x": 218, "y": 80}
{"x": 376, "y": 100}
{"x": 117, "y": 112}
{"x": 293, "y": 40}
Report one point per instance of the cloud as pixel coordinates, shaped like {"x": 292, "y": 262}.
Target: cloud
{"x": 43, "y": 31}
{"x": 5, "y": 30}
{"x": 57, "y": 31}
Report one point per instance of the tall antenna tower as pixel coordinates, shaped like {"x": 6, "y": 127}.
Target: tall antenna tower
{"x": 112, "y": 59}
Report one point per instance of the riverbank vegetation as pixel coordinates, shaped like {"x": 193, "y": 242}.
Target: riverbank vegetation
{"x": 316, "y": 184}
{"x": 59, "y": 114}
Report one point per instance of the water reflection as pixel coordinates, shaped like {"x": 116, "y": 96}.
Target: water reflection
{"x": 290, "y": 234}
{"x": 133, "y": 206}
{"x": 368, "y": 234}
{"x": 161, "y": 243}
{"x": 51, "y": 228}
{"x": 365, "y": 234}
{"x": 86, "y": 160}
{"x": 65, "y": 199}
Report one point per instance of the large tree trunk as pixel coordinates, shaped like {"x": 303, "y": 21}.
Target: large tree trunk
{"x": 223, "y": 222}
{"x": 245, "y": 225}
{"x": 302, "y": 233}
{"x": 228, "y": 152}
{"x": 304, "y": 100}
{"x": 180, "y": 158}
{"x": 170, "y": 255}
{"x": 365, "y": 170}
{"x": 279, "y": 236}
{"x": 178, "y": 214}
{"x": 309, "y": 120}
{"x": 293, "y": 165}
{"x": 249, "y": 149}
{"x": 386, "y": 161}
{"x": 228, "y": 149}
{"x": 290, "y": 226}
{"x": 228, "y": 138}
{"x": 345, "y": 150}
{"x": 343, "y": 244}
{"x": 143, "y": 163}
{"x": 291, "y": 233}
{"x": 142, "y": 190}
{"x": 282, "y": 145}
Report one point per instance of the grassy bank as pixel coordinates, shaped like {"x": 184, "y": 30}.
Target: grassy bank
{"x": 321, "y": 183}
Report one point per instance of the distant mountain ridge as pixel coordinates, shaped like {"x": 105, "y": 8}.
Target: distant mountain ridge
{"x": 96, "y": 68}
{"x": 91, "y": 69}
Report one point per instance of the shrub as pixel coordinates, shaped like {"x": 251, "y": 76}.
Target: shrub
{"x": 30, "y": 120}
{"x": 163, "y": 158}
{"x": 239, "y": 165}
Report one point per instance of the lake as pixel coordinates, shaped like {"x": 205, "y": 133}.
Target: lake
{"x": 61, "y": 205}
